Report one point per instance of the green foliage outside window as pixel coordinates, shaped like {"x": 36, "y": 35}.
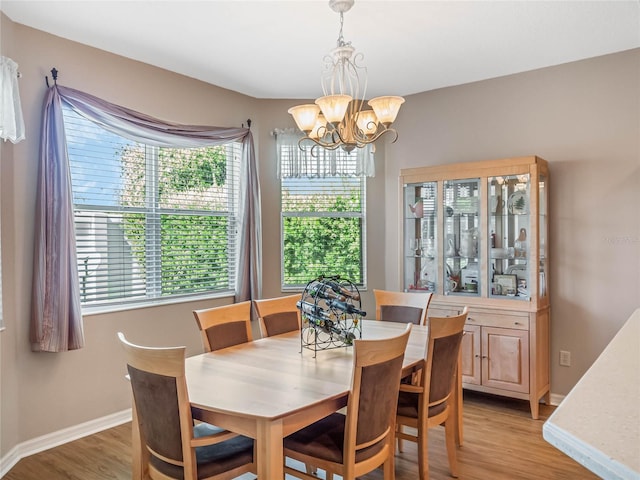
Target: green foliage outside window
{"x": 322, "y": 233}
{"x": 193, "y": 244}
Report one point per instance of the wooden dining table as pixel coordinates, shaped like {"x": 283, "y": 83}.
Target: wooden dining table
{"x": 269, "y": 388}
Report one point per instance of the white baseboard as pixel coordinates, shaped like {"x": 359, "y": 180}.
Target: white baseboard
{"x": 556, "y": 399}
{"x": 45, "y": 442}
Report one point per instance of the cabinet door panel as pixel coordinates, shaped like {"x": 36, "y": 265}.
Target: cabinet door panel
{"x": 471, "y": 355}
{"x": 505, "y": 359}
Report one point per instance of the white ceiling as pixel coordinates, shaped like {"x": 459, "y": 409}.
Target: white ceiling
{"x": 274, "y": 49}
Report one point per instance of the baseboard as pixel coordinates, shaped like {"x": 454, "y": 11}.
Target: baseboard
{"x": 45, "y": 442}
{"x": 556, "y": 399}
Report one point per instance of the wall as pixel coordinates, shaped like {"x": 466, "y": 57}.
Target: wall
{"x": 584, "y": 119}
{"x": 45, "y": 392}
{"x": 42, "y": 392}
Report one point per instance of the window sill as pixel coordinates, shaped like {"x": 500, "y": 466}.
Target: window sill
{"x": 89, "y": 311}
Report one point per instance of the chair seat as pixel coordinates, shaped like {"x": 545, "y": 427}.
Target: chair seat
{"x": 324, "y": 439}
{"x": 212, "y": 459}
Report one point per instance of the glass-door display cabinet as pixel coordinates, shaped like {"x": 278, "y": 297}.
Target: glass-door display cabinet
{"x": 475, "y": 234}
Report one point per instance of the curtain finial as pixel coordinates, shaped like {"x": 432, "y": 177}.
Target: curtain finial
{"x": 54, "y": 75}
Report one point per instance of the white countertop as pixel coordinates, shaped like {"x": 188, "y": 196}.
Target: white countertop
{"x": 598, "y": 422}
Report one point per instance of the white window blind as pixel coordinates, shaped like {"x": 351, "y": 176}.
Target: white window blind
{"x": 151, "y": 222}
{"x": 323, "y": 226}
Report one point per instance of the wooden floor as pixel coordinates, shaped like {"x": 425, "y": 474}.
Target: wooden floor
{"x": 501, "y": 442}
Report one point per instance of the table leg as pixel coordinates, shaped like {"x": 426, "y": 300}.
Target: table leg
{"x": 269, "y": 437}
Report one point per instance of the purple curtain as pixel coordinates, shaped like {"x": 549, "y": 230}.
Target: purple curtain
{"x": 56, "y": 323}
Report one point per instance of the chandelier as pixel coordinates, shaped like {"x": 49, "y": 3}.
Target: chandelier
{"x": 339, "y": 118}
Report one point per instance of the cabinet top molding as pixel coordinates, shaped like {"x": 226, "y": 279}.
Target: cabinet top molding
{"x": 503, "y": 166}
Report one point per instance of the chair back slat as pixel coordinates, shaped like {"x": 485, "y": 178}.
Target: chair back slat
{"x": 378, "y": 399}
{"x": 224, "y": 326}
{"x": 445, "y": 357}
{"x": 405, "y": 307}
{"x": 278, "y": 315}
{"x": 227, "y": 335}
{"x": 156, "y": 401}
{"x": 401, "y": 313}
{"x": 281, "y": 322}
{"x": 442, "y": 353}
{"x": 372, "y": 403}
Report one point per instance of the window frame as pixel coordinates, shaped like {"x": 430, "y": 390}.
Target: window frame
{"x": 325, "y": 214}
{"x": 152, "y": 294}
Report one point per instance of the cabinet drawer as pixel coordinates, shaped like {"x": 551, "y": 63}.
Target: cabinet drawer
{"x": 443, "y": 311}
{"x": 519, "y": 322}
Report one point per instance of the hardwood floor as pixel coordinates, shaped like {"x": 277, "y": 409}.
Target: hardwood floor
{"x": 501, "y": 442}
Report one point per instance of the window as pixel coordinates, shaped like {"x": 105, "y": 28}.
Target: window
{"x": 323, "y": 227}
{"x": 151, "y": 222}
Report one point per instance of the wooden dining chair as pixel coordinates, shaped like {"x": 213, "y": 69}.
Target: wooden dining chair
{"x": 224, "y": 326}
{"x": 362, "y": 440}
{"x": 278, "y": 315}
{"x": 402, "y": 306}
{"x": 427, "y": 404}
{"x": 170, "y": 446}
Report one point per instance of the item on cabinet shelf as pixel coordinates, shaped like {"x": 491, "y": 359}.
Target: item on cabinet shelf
{"x": 471, "y": 287}
{"x": 520, "y": 245}
{"x": 499, "y": 253}
{"x": 452, "y": 285}
{"x": 448, "y": 211}
{"x": 518, "y": 202}
{"x": 415, "y": 244}
{"x": 496, "y": 288}
{"x": 519, "y": 269}
{"x": 493, "y": 239}
{"x": 450, "y": 250}
{"x": 417, "y": 209}
{"x": 497, "y": 205}
{"x": 430, "y": 249}
{"x": 469, "y": 243}
{"x": 469, "y": 274}
{"x": 507, "y": 284}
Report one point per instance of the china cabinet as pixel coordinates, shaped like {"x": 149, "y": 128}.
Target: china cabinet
{"x": 475, "y": 234}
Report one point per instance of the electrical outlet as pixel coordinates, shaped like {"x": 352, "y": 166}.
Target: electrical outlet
{"x": 565, "y": 358}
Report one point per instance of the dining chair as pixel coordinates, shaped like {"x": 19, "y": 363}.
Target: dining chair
{"x": 402, "y": 306}
{"x": 172, "y": 446}
{"x": 427, "y": 404}
{"x": 362, "y": 440}
{"x": 224, "y": 326}
{"x": 278, "y": 315}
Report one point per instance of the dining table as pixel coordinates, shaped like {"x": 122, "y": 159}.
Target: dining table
{"x": 271, "y": 387}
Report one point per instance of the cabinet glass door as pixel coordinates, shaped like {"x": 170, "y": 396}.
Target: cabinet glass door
{"x": 462, "y": 237}
{"x": 543, "y": 239}
{"x": 420, "y": 237}
{"x": 509, "y": 226}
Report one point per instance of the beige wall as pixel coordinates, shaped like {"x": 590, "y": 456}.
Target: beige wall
{"x": 584, "y": 119}
{"x": 41, "y": 392}
{"x": 581, "y": 117}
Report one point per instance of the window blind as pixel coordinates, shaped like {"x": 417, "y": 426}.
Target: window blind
{"x": 151, "y": 222}
{"x": 323, "y": 227}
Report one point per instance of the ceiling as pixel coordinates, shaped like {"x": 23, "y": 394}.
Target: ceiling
{"x": 274, "y": 49}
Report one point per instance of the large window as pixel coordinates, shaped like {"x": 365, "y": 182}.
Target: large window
{"x": 151, "y": 222}
{"x": 323, "y": 228}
